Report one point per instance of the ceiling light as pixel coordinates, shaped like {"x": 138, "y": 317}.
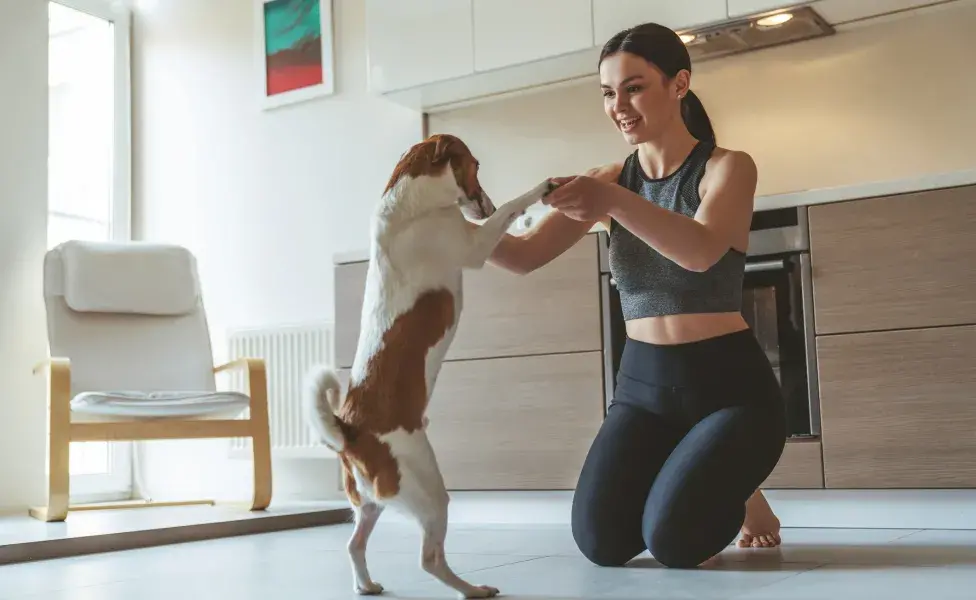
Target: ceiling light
{"x": 774, "y": 20}
{"x": 687, "y": 38}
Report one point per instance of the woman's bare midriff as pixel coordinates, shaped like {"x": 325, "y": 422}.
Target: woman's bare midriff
{"x": 682, "y": 329}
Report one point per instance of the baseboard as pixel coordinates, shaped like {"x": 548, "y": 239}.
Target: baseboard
{"x": 871, "y": 509}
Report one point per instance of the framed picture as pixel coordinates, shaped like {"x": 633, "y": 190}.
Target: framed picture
{"x": 294, "y": 50}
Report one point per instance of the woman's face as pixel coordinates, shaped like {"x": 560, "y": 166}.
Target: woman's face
{"x": 639, "y": 99}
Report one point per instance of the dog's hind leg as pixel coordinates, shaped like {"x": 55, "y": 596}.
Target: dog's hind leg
{"x": 366, "y": 516}
{"x": 434, "y": 560}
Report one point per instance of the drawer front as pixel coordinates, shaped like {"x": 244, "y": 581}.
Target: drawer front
{"x": 553, "y": 309}
{"x": 515, "y": 423}
{"x": 898, "y": 408}
{"x": 800, "y": 467}
{"x": 894, "y": 263}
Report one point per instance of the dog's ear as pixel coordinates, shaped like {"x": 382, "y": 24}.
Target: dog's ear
{"x": 443, "y": 149}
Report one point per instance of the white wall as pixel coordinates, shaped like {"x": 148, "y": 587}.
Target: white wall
{"x": 23, "y": 234}
{"x": 887, "y": 101}
{"x": 264, "y": 199}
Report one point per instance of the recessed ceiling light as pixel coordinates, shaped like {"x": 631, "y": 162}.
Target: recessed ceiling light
{"x": 774, "y": 20}
{"x": 687, "y": 38}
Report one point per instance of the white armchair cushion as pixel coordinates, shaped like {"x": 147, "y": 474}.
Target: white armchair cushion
{"x": 136, "y": 405}
{"x": 134, "y": 278}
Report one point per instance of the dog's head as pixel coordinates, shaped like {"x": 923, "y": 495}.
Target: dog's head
{"x": 444, "y": 151}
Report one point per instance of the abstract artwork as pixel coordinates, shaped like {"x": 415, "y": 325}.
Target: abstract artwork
{"x": 295, "y": 50}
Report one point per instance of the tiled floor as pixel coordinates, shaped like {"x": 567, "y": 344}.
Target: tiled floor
{"x": 538, "y": 562}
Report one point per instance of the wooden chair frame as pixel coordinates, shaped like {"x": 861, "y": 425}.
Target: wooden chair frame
{"x": 61, "y": 432}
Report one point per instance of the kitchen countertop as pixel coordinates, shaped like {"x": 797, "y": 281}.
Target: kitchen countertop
{"x": 803, "y": 198}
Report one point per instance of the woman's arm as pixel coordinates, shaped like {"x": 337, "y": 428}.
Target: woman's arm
{"x": 555, "y": 234}
{"x": 722, "y": 219}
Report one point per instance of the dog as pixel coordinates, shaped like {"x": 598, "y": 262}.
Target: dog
{"x": 420, "y": 245}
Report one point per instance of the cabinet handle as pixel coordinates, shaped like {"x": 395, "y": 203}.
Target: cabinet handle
{"x": 765, "y": 265}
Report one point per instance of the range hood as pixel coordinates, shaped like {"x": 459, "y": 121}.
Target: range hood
{"x": 755, "y": 33}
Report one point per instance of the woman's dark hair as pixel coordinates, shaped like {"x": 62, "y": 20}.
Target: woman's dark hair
{"x": 663, "y": 48}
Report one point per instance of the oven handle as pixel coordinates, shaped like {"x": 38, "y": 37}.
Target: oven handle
{"x": 766, "y": 265}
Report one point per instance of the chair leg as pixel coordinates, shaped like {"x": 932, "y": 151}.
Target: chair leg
{"x": 59, "y": 445}
{"x": 260, "y": 438}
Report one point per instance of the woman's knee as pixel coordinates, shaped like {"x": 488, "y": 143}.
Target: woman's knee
{"x": 600, "y": 549}
{"x": 679, "y": 545}
{"x": 601, "y": 538}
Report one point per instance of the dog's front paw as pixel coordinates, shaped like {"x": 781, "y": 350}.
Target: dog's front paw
{"x": 370, "y": 589}
{"x": 481, "y": 591}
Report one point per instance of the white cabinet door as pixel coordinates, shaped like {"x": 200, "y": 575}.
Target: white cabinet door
{"x": 611, "y": 16}
{"x": 741, "y": 8}
{"x": 413, "y": 42}
{"x": 511, "y": 32}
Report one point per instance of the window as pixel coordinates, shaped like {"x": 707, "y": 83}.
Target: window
{"x": 88, "y": 175}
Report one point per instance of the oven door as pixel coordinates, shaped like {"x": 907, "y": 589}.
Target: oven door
{"x": 773, "y": 305}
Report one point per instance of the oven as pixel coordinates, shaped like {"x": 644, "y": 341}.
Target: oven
{"x": 777, "y": 303}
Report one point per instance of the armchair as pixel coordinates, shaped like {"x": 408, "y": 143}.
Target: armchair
{"x": 131, "y": 359}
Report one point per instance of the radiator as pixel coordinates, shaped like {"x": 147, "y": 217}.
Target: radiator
{"x": 288, "y": 351}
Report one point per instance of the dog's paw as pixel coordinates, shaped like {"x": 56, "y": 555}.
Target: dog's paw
{"x": 371, "y": 589}
{"x": 481, "y": 591}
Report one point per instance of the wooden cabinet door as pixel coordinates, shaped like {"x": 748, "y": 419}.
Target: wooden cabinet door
{"x": 800, "y": 467}
{"x": 512, "y": 32}
{"x": 515, "y": 423}
{"x": 899, "y": 408}
{"x": 894, "y": 263}
{"x": 555, "y": 309}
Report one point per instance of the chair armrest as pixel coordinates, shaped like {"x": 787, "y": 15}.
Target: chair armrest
{"x": 257, "y": 380}
{"x": 55, "y": 364}
{"x": 249, "y": 364}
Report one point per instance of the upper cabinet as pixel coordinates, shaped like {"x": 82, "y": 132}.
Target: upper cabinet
{"x": 437, "y": 55}
{"x": 611, "y": 16}
{"x": 417, "y": 42}
{"x": 511, "y": 32}
{"x": 742, "y": 8}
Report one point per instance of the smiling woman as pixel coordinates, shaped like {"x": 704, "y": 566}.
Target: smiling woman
{"x": 696, "y": 423}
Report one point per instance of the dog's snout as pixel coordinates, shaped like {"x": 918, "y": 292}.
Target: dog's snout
{"x": 487, "y": 206}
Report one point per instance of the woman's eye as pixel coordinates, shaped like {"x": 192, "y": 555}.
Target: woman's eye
{"x": 633, "y": 89}
{"x": 607, "y": 93}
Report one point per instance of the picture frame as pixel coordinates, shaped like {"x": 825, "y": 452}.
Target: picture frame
{"x": 294, "y": 47}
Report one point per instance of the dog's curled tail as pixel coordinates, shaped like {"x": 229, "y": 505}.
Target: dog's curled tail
{"x": 321, "y": 403}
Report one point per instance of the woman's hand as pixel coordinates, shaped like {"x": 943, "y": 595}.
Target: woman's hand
{"x": 582, "y": 198}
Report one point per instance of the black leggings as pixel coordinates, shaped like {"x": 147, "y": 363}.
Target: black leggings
{"x": 692, "y": 431}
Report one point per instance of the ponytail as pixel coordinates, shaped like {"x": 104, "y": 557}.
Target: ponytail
{"x": 696, "y": 118}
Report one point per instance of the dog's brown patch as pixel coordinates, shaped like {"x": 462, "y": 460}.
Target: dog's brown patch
{"x": 394, "y": 393}
{"x": 432, "y": 155}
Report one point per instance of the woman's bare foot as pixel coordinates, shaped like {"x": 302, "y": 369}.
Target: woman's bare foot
{"x": 761, "y": 527}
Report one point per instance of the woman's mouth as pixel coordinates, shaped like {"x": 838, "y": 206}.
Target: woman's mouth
{"x": 629, "y": 124}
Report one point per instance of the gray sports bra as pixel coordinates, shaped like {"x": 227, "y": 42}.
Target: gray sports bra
{"x": 651, "y": 284}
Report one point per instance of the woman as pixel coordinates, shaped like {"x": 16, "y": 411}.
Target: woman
{"x": 697, "y": 422}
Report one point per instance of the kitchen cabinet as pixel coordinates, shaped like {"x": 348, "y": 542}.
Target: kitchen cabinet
{"x": 418, "y": 42}
{"x": 898, "y": 409}
{"x": 511, "y": 32}
{"x": 612, "y": 16}
{"x": 742, "y": 8}
{"x": 554, "y": 309}
{"x": 800, "y": 467}
{"x": 515, "y": 423}
{"x": 894, "y": 262}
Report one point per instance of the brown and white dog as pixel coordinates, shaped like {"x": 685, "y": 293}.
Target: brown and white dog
{"x": 420, "y": 244}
